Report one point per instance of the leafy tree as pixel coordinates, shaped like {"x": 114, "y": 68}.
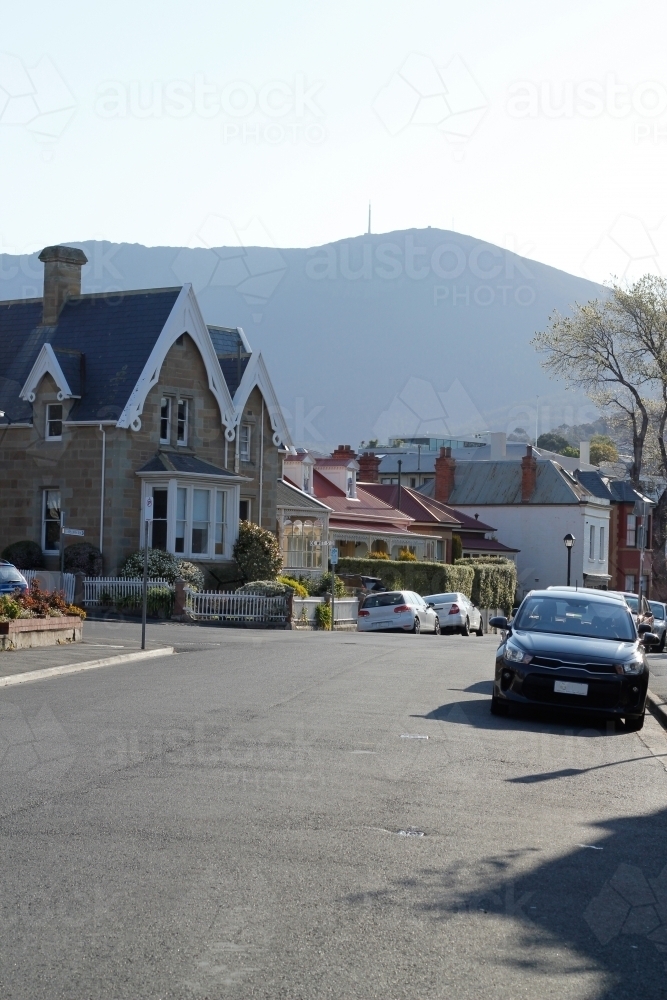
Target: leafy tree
{"x": 24, "y": 555}
{"x": 257, "y": 552}
{"x": 82, "y": 557}
{"x": 603, "y": 449}
{"x": 457, "y": 547}
{"x": 553, "y": 442}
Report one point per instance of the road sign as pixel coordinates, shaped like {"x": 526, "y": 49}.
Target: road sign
{"x": 334, "y": 555}
{"x": 74, "y": 531}
{"x": 148, "y": 509}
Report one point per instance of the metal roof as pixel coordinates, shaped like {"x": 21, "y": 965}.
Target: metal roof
{"x": 499, "y": 482}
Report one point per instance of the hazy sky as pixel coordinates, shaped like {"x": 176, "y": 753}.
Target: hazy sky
{"x": 538, "y": 126}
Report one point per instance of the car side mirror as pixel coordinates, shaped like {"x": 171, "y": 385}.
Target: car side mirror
{"x": 499, "y": 621}
{"x": 650, "y": 639}
{"x": 643, "y": 628}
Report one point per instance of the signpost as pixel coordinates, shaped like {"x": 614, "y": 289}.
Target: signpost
{"x": 334, "y": 562}
{"x": 148, "y": 519}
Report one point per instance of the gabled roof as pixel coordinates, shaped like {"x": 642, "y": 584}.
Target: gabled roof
{"x": 289, "y": 495}
{"x": 115, "y": 333}
{"x": 256, "y": 374}
{"x": 614, "y": 490}
{"x": 365, "y": 506}
{"x": 412, "y": 503}
{"x": 499, "y": 482}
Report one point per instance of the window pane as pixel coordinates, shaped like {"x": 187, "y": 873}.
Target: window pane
{"x": 165, "y": 413}
{"x": 200, "y": 518}
{"x": 181, "y": 508}
{"x": 159, "y": 528}
{"x": 182, "y": 429}
{"x": 54, "y": 420}
{"x": 51, "y": 520}
{"x": 220, "y": 504}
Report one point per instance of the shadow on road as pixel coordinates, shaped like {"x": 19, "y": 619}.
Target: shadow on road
{"x": 592, "y": 923}
{"x": 476, "y": 713}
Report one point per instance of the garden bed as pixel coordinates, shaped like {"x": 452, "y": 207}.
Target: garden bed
{"x": 25, "y": 633}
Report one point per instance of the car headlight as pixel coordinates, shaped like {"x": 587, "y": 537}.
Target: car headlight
{"x": 516, "y": 655}
{"x": 633, "y": 666}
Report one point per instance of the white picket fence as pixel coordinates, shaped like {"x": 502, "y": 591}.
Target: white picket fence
{"x": 108, "y": 590}
{"x": 50, "y": 581}
{"x": 345, "y": 610}
{"x": 216, "y": 605}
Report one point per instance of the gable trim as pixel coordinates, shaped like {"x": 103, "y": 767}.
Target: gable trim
{"x": 46, "y": 364}
{"x": 256, "y": 374}
{"x": 185, "y": 317}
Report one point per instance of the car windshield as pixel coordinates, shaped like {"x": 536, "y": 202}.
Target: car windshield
{"x": 657, "y": 609}
{"x": 444, "y": 598}
{"x": 10, "y": 575}
{"x": 383, "y": 600}
{"x": 576, "y": 616}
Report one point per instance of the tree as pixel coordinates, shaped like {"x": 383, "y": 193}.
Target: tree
{"x": 257, "y": 552}
{"x": 558, "y": 444}
{"x": 603, "y": 449}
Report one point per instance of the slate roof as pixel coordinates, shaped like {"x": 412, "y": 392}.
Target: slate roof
{"x": 614, "y": 490}
{"x": 178, "y": 462}
{"x": 233, "y": 370}
{"x": 499, "y": 482}
{"x": 116, "y": 333}
{"x": 289, "y": 495}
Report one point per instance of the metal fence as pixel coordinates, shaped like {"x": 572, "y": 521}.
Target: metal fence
{"x": 345, "y": 610}
{"x": 50, "y": 581}
{"x": 106, "y": 591}
{"x": 216, "y": 605}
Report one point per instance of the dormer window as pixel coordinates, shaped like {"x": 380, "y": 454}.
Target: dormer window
{"x": 54, "y": 422}
{"x": 165, "y": 421}
{"x": 182, "y": 422}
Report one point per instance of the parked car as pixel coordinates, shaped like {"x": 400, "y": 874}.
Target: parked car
{"x": 659, "y": 622}
{"x": 361, "y": 585}
{"x": 457, "y": 613}
{"x": 11, "y": 579}
{"x": 397, "y": 610}
{"x": 578, "y": 651}
{"x": 641, "y": 614}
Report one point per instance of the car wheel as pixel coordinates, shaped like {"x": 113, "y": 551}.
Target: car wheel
{"x": 480, "y": 630}
{"x": 436, "y": 630}
{"x": 661, "y": 647}
{"x": 465, "y": 630}
{"x": 416, "y": 628}
{"x": 633, "y": 723}
{"x": 499, "y": 707}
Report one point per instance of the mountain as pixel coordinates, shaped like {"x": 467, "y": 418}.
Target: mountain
{"x": 420, "y": 331}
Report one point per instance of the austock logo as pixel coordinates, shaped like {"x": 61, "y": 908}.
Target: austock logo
{"x": 36, "y": 98}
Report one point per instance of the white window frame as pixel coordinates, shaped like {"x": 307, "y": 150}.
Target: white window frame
{"x": 49, "y": 420}
{"x": 229, "y": 526}
{"x": 245, "y": 439}
{"x": 601, "y": 555}
{"x": 165, "y": 438}
{"x": 185, "y": 423}
{"x": 44, "y": 495}
{"x": 591, "y": 543}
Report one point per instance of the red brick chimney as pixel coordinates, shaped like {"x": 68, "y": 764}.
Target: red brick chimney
{"x": 344, "y": 451}
{"x": 444, "y": 475}
{"x": 528, "y": 475}
{"x": 369, "y": 468}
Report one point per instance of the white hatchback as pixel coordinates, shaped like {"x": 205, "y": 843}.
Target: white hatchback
{"x": 400, "y": 610}
{"x": 456, "y": 613}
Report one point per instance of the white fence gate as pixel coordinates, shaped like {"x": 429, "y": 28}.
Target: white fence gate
{"x": 108, "y": 590}
{"x": 49, "y": 581}
{"x": 216, "y": 605}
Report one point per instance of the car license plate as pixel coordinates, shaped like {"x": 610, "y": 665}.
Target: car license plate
{"x": 567, "y": 687}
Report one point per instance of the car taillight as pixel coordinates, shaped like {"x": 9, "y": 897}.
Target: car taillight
{"x": 401, "y": 607}
{"x": 454, "y": 610}
{"x": 363, "y": 614}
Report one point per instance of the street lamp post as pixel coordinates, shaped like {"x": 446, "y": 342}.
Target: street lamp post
{"x": 569, "y": 542}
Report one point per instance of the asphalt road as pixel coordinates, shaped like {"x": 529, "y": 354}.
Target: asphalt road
{"x": 263, "y": 818}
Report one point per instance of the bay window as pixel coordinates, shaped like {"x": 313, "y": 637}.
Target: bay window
{"x": 190, "y": 518}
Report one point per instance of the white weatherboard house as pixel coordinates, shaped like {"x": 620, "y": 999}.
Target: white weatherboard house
{"x": 533, "y": 503}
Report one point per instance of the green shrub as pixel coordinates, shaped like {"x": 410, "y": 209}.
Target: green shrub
{"x": 457, "y": 547}
{"x": 24, "y": 555}
{"x": 323, "y": 616}
{"x": 422, "y": 577}
{"x": 379, "y": 555}
{"x": 162, "y": 566}
{"x": 82, "y": 557}
{"x": 322, "y": 585}
{"x": 267, "y": 588}
{"x": 494, "y": 582}
{"x": 159, "y": 602}
{"x": 9, "y": 608}
{"x": 257, "y": 552}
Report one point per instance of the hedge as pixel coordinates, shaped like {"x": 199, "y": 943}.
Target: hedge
{"x": 494, "y": 582}
{"x": 423, "y": 577}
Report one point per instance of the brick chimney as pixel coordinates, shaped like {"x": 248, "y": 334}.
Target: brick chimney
{"x": 528, "y": 475}
{"x": 345, "y": 452}
{"x": 62, "y": 279}
{"x": 444, "y": 475}
{"x": 369, "y": 468}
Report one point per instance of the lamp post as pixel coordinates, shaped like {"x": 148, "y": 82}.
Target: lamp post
{"x": 569, "y": 542}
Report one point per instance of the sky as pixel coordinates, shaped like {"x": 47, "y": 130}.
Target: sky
{"x": 539, "y": 127}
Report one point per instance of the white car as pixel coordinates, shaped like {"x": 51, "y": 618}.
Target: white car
{"x": 400, "y": 610}
{"x": 457, "y": 613}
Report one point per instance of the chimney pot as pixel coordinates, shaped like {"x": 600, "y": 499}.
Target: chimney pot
{"x": 62, "y": 279}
